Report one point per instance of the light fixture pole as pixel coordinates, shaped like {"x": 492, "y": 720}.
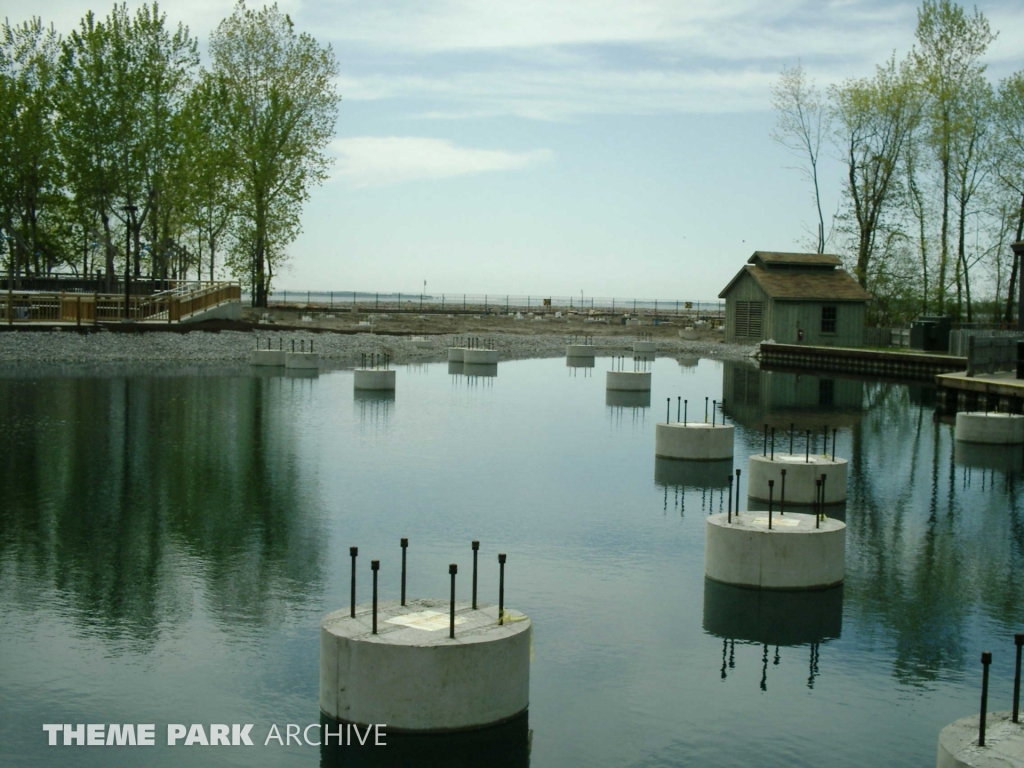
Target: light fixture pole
{"x": 129, "y": 211}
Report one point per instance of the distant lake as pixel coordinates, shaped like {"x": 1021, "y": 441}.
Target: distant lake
{"x": 171, "y": 538}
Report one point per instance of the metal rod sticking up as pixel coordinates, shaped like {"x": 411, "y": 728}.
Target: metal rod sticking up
{"x": 782, "y": 495}
{"x": 771, "y": 500}
{"x": 1018, "y": 639}
{"x": 986, "y": 659}
{"x": 730, "y": 498}
{"x": 501, "y": 588}
{"x": 353, "y": 553}
{"x": 375, "y": 566}
{"x": 405, "y": 546}
{"x": 452, "y": 569}
{"x": 476, "y": 551}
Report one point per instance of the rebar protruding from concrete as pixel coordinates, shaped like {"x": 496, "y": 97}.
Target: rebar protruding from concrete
{"x": 684, "y": 413}
{"x": 375, "y": 566}
{"x": 782, "y": 495}
{"x": 476, "y": 551}
{"x": 771, "y": 501}
{"x": 353, "y": 553}
{"x": 737, "y": 493}
{"x": 833, "y": 443}
{"x": 986, "y": 660}
{"x": 705, "y": 410}
{"x": 679, "y": 405}
{"x": 668, "y": 410}
{"x": 714, "y": 408}
{"x": 405, "y": 545}
{"x": 1018, "y": 639}
{"x": 452, "y": 569}
{"x": 501, "y": 588}
{"x": 730, "y": 498}
{"x": 817, "y": 503}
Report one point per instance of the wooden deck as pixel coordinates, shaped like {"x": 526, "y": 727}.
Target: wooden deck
{"x": 1001, "y": 391}
{"x": 913, "y": 366}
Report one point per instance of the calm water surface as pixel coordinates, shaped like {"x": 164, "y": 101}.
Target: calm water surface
{"x": 169, "y": 540}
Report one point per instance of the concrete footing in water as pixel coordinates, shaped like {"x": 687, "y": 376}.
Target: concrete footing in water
{"x": 794, "y": 553}
{"x": 374, "y": 379}
{"x": 1004, "y": 743}
{"x": 272, "y": 357}
{"x": 480, "y": 356}
{"x": 414, "y": 677}
{"x": 802, "y": 472}
{"x": 990, "y": 428}
{"x": 307, "y": 360}
{"x": 695, "y": 441}
{"x": 628, "y": 381}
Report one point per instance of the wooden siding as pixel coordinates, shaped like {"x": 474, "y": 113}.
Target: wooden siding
{"x": 789, "y": 316}
{"x": 746, "y": 289}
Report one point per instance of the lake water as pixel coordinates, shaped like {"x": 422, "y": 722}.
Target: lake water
{"x": 170, "y": 539}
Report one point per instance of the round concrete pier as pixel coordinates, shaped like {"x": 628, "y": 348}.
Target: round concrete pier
{"x": 301, "y": 360}
{"x": 693, "y": 441}
{"x": 645, "y": 346}
{"x": 374, "y": 379}
{"x": 801, "y": 474}
{"x": 413, "y": 677}
{"x": 792, "y": 555}
{"x": 488, "y": 356}
{"x": 267, "y": 357}
{"x": 628, "y": 381}
{"x": 990, "y": 428}
{"x": 1004, "y": 743}
{"x": 455, "y": 354}
{"x": 580, "y": 350}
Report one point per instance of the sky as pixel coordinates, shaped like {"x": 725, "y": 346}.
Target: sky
{"x": 548, "y": 147}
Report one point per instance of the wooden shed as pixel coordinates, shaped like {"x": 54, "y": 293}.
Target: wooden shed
{"x": 795, "y": 298}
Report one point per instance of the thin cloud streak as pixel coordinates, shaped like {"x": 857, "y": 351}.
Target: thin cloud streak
{"x": 375, "y": 161}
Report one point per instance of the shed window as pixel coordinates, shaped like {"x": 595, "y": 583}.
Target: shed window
{"x": 748, "y": 318}
{"x": 828, "y": 319}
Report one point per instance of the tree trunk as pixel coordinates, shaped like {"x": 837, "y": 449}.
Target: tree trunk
{"x": 1011, "y": 296}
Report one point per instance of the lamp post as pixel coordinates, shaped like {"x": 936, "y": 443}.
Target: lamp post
{"x": 129, "y": 212}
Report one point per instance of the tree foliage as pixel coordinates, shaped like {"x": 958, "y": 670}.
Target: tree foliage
{"x": 121, "y": 151}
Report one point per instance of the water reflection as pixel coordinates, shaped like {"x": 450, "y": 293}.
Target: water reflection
{"x": 502, "y": 746}
{"x": 781, "y": 399}
{"x": 580, "y": 362}
{"x": 772, "y": 619}
{"x": 1006, "y": 459}
{"x": 119, "y": 492}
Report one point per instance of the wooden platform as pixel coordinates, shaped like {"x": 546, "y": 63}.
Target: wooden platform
{"x": 993, "y": 391}
{"x": 914, "y": 366}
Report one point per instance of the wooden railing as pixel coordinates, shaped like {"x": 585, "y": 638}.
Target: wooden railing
{"x": 167, "y": 306}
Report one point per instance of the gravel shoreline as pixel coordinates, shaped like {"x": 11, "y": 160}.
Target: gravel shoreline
{"x": 234, "y": 347}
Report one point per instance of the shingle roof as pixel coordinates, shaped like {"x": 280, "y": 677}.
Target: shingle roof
{"x": 816, "y": 259}
{"x": 837, "y": 285}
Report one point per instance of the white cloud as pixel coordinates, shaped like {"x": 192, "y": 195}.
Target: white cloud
{"x": 372, "y": 161}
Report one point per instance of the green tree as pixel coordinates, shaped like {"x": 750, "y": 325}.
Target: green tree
{"x": 947, "y": 57}
{"x": 1009, "y": 115}
{"x": 874, "y": 119}
{"x": 32, "y": 175}
{"x": 280, "y": 107}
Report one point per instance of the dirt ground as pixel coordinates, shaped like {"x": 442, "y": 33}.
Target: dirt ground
{"x": 410, "y": 323}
